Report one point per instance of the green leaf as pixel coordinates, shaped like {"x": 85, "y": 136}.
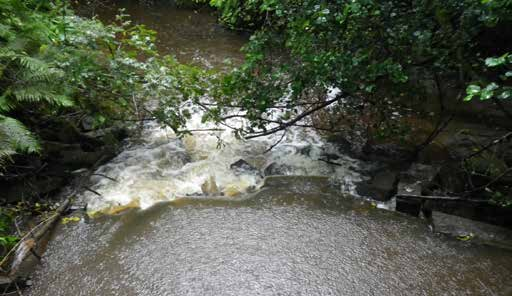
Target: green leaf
{"x": 488, "y": 91}
{"x": 507, "y": 94}
{"x": 66, "y": 220}
{"x": 471, "y": 91}
{"x": 465, "y": 237}
{"x": 494, "y": 62}
{"x": 14, "y": 136}
{"x": 8, "y": 241}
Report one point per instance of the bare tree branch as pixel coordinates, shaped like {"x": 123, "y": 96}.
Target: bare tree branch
{"x": 286, "y": 125}
{"x": 276, "y": 143}
{"x": 501, "y": 139}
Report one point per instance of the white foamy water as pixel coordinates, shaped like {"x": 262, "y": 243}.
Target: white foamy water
{"x": 158, "y": 166}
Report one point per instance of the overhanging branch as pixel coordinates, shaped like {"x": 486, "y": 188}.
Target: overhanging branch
{"x": 301, "y": 116}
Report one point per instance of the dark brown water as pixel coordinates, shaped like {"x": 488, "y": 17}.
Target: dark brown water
{"x": 191, "y": 35}
{"x": 296, "y": 236}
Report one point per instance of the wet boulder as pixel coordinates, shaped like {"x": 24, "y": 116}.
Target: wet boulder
{"x": 417, "y": 179}
{"x": 387, "y": 153}
{"x": 81, "y": 159}
{"x": 452, "y": 178}
{"x": 329, "y": 156}
{"x": 414, "y": 182}
{"x": 231, "y": 191}
{"x": 304, "y": 150}
{"x": 241, "y": 166}
{"x": 434, "y": 153}
{"x": 382, "y": 186}
{"x": 277, "y": 169}
{"x": 209, "y": 187}
{"x": 88, "y": 123}
{"x": 19, "y": 189}
{"x": 341, "y": 142}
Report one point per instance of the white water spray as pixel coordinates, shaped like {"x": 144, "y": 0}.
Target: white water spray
{"x": 158, "y": 166}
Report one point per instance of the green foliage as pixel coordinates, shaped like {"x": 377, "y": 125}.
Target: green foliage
{"x": 175, "y": 85}
{"x": 54, "y": 63}
{"x": 369, "y": 49}
{"x": 502, "y": 66}
{"x": 7, "y": 241}
{"x": 247, "y": 14}
{"x": 15, "y": 137}
{"x": 501, "y": 199}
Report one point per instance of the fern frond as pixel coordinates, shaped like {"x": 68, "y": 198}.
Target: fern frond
{"x": 63, "y": 101}
{"x": 15, "y": 137}
{"x": 6, "y": 53}
{"x": 44, "y": 75}
{"x": 5, "y": 104}
{"x": 32, "y": 63}
{"x": 6, "y": 32}
{"x": 36, "y": 94}
{"x": 6, "y": 148}
{"x": 30, "y": 94}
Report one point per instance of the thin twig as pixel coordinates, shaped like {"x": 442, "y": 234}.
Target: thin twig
{"x": 330, "y": 162}
{"x": 285, "y": 125}
{"x": 276, "y": 143}
{"x": 491, "y": 144}
{"x": 91, "y": 190}
{"x": 18, "y": 289}
{"x": 440, "y": 125}
{"x": 105, "y": 176}
{"x": 506, "y": 172}
{"x": 203, "y": 130}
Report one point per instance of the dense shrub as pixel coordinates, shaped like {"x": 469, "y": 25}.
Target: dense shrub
{"x": 54, "y": 64}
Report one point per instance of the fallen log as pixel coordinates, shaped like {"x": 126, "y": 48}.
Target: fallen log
{"x": 28, "y": 245}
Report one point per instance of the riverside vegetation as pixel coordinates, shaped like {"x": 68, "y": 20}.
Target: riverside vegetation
{"x": 71, "y": 87}
{"x": 62, "y": 76}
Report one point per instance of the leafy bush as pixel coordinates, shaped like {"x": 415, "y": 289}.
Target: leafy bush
{"x": 54, "y": 64}
{"x": 7, "y": 241}
{"x": 497, "y": 89}
{"x": 371, "y": 50}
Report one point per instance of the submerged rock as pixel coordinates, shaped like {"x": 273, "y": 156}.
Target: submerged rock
{"x": 277, "y": 169}
{"x": 232, "y": 191}
{"x": 242, "y": 166}
{"x": 115, "y": 210}
{"x": 304, "y": 150}
{"x": 209, "y": 187}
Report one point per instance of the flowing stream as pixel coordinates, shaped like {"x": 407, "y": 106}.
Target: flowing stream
{"x": 199, "y": 221}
